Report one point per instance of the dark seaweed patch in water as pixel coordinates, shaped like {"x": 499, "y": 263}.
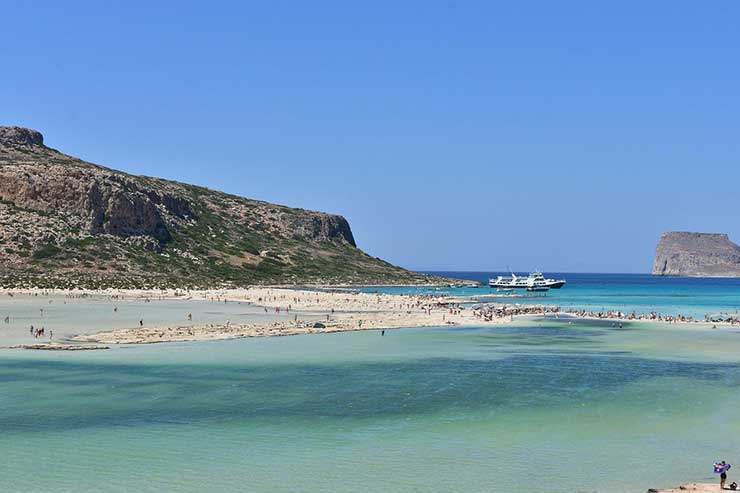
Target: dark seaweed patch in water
{"x": 71, "y": 396}
{"x": 540, "y": 336}
{"x": 560, "y": 331}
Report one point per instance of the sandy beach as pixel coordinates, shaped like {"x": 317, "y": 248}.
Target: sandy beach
{"x": 302, "y": 311}
{"x": 310, "y": 312}
{"x": 688, "y": 487}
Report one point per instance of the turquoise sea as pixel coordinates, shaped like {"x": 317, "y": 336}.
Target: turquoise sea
{"x": 641, "y": 292}
{"x": 545, "y": 405}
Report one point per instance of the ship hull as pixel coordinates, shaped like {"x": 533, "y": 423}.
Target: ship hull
{"x": 523, "y": 285}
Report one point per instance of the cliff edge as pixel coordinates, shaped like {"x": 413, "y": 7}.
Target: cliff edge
{"x": 688, "y": 254}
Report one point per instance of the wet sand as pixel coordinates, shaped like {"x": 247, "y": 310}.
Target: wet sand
{"x": 59, "y": 346}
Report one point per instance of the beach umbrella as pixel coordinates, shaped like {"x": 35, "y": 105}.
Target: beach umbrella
{"x": 720, "y": 467}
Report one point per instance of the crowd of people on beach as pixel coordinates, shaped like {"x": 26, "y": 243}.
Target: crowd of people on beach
{"x": 619, "y": 315}
{"x": 654, "y": 316}
{"x": 488, "y": 312}
{"x": 726, "y": 318}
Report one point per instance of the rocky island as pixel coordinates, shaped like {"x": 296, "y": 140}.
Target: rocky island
{"x": 696, "y": 255}
{"x": 67, "y": 223}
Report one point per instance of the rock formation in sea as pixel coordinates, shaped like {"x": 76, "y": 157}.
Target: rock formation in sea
{"x": 696, "y": 255}
{"x": 65, "y": 222}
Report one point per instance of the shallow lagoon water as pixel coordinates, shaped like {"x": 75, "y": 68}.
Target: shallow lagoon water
{"x": 70, "y": 316}
{"x": 545, "y": 405}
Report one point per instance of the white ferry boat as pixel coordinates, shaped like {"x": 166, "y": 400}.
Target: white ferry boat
{"x": 534, "y": 282}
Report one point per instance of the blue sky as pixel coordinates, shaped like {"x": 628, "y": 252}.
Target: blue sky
{"x": 452, "y": 135}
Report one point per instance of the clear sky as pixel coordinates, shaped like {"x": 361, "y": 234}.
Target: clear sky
{"x": 453, "y": 135}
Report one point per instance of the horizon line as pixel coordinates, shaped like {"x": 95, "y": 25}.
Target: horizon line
{"x": 525, "y": 270}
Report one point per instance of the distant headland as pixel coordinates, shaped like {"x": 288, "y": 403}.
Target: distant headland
{"x": 66, "y": 223}
{"x": 688, "y": 254}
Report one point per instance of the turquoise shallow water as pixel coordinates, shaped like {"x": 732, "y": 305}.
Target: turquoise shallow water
{"x": 555, "y": 406}
{"x": 544, "y": 405}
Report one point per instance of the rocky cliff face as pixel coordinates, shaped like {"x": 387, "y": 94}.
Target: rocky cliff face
{"x": 696, "y": 255}
{"x": 64, "y": 218}
{"x": 19, "y": 136}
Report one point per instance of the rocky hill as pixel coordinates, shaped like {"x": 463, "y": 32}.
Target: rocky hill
{"x": 65, "y": 222}
{"x": 696, "y": 255}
